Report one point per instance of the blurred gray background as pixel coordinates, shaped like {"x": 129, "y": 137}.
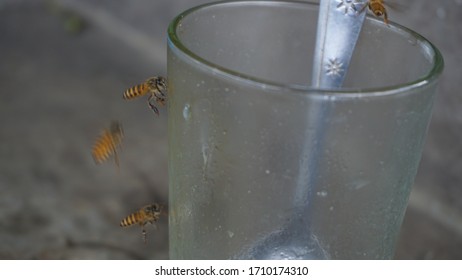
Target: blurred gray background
{"x": 63, "y": 67}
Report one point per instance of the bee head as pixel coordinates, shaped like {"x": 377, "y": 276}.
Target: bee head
{"x": 161, "y": 84}
{"x": 378, "y": 13}
{"x": 158, "y": 83}
{"x": 153, "y": 208}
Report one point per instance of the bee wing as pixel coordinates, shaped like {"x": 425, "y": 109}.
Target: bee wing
{"x": 99, "y": 151}
{"x": 155, "y": 226}
{"x": 116, "y": 159}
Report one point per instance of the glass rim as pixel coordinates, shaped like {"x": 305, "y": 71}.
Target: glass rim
{"x": 427, "y": 79}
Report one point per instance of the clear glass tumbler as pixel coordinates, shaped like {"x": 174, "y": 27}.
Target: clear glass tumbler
{"x": 264, "y": 166}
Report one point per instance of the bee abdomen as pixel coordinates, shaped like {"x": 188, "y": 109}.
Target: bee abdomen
{"x": 135, "y": 91}
{"x": 129, "y": 220}
{"x": 103, "y": 148}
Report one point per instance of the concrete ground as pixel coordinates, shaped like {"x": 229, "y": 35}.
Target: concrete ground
{"x": 63, "y": 67}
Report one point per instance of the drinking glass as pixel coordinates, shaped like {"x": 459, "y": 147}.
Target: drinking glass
{"x": 264, "y": 166}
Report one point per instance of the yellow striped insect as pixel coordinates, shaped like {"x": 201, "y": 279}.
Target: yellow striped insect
{"x": 107, "y": 143}
{"x": 377, "y": 7}
{"x": 156, "y": 86}
{"x": 147, "y": 214}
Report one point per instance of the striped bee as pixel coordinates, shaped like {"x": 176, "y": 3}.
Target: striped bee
{"x": 377, "y": 7}
{"x": 107, "y": 143}
{"x": 156, "y": 86}
{"x": 147, "y": 214}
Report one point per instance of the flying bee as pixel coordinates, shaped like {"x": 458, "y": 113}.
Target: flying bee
{"x": 377, "y": 7}
{"x": 107, "y": 143}
{"x": 147, "y": 214}
{"x": 156, "y": 86}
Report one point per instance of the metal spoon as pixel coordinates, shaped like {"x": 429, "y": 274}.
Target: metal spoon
{"x": 339, "y": 25}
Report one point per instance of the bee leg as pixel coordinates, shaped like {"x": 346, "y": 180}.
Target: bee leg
{"x": 385, "y": 17}
{"x": 143, "y": 233}
{"x": 161, "y": 101}
{"x": 154, "y": 108}
{"x": 159, "y": 93}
